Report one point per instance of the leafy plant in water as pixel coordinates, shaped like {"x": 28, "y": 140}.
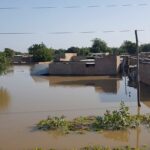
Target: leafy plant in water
{"x": 82, "y": 123}
{"x": 116, "y": 120}
{"x": 53, "y": 123}
{"x": 108, "y": 148}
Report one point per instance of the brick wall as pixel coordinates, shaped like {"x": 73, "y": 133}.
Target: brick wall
{"x": 109, "y": 65}
{"x": 145, "y": 73}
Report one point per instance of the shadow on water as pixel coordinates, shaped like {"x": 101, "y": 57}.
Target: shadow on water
{"x": 4, "y": 98}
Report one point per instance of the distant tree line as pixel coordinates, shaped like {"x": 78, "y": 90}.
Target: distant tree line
{"x": 100, "y": 46}
{"x": 41, "y": 52}
{"x": 5, "y": 58}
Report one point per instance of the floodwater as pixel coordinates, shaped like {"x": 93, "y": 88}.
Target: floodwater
{"x": 25, "y": 100}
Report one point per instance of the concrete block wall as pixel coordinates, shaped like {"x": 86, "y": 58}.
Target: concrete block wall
{"x": 109, "y": 65}
{"x": 145, "y": 73}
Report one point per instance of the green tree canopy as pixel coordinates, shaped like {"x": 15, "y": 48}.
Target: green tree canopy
{"x": 145, "y": 48}
{"x": 40, "y": 52}
{"x": 4, "y": 62}
{"x": 128, "y": 47}
{"x": 60, "y": 53}
{"x": 99, "y": 46}
{"x": 9, "y": 53}
{"x": 72, "y": 50}
{"x": 84, "y": 51}
{"x": 115, "y": 50}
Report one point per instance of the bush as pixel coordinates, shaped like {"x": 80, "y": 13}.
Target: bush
{"x": 116, "y": 120}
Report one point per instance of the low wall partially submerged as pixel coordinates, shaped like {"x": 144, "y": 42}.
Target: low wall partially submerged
{"x": 145, "y": 72}
{"x": 108, "y": 65}
{"x": 40, "y": 69}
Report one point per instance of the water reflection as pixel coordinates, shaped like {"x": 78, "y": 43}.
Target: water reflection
{"x": 4, "y": 98}
{"x": 101, "y": 84}
{"x": 35, "y": 98}
{"x": 144, "y": 92}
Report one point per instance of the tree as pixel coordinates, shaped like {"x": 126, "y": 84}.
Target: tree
{"x": 145, "y": 48}
{"x": 72, "y": 50}
{"x": 129, "y": 47}
{"x": 9, "y": 53}
{"x": 4, "y": 62}
{"x": 114, "y": 50}
{"x": 60, "y": 53}
{"x": 99, "y": 46}
{"x": 117, "y": 50}
{"x": 84, "y": 51}
{"x": 40, "y": 52}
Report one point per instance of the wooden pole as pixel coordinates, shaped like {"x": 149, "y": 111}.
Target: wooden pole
{"x": 138, "y": 68}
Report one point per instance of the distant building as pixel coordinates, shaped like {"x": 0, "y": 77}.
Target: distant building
{"x": 76, "y": 65}
{"x": 68, "y": 57}
{"x": 22, "y": 59}
{"x": 98, "y": 54}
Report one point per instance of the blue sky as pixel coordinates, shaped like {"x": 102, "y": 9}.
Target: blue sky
{"x": 42, "y": 22}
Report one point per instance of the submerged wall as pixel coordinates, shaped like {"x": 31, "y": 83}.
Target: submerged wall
{"x": 40, "y": 69}
{"x": 108, "y": 65}
{"x": 145, "y": 72}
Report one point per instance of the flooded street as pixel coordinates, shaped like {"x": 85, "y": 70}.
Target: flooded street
{"x": 26, "y": 99}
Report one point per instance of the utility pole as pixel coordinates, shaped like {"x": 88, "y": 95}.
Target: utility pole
{"x": 138, "y": 68}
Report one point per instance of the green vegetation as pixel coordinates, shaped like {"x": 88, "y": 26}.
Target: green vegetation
{"x": 145, "y": 47}
{"x": 84, "y": 51}
{"x": 116, "y": 120}
{"x": 4, "y": 63}
{"x": 9, "y": 53}
{"x": 99, "y": 46}
{"x": 128, "y": 47}
{"x": 108, "y": 148}
{"x": 105, "y": 148}
{"x": 40, "y": 52}
{"x": 5, "y": 59}
{"x": 54, "y": 123}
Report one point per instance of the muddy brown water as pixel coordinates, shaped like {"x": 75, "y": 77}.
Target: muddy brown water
{"x": 24, "y": 100}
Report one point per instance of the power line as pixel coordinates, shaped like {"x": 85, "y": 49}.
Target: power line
{"x": 77, "y": 6}
{"x": 9, "y": 33}
{"x": 97, "y": 6}
{"x": 109, "y": 31}
{"x": 7, "y": 8}
{"x": 60, "y": 33}
{"x": 87, "y": 32}
{"x": 43, "y": 7}
{"x": 68, "y": 32}
{"x": 125, "y": 31}
{"x": 71, "y": 7}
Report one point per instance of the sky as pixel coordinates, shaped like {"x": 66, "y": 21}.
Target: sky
{"x": 81, "y": 24}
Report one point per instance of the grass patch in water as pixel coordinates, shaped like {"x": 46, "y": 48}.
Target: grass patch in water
{"x": 116, "y": 120}
{"x": 105, "y": 148}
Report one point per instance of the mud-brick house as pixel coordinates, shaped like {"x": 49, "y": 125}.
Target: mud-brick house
{"x": 75, "y": 65}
